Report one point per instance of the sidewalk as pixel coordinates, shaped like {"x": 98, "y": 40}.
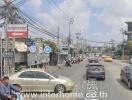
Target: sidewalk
{"x": 53, "y": 69}
{"x": 121, "y": 62}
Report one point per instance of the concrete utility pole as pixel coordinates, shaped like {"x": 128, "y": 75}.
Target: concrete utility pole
{"x": 6, "y": 67}
{"x": 58, "y": 42}
{"x": 58, "y": 36}
{"x": 8, "y": 12}
{"x": 69, "y": 38}
{"x": 1, "y": 58}
{"x": 123, "y": 49}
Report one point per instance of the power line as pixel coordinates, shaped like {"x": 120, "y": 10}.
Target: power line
{"x": 54, "y": 5}
{"x": 20, "y": 3}
{"x": 39, "y": 28}
{"x": 36, "y": 23}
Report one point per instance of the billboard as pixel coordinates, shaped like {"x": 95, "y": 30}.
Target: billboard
{"x": 17, "y": 31}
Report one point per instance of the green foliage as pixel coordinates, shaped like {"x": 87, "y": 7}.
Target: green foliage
{"x": 130, "y": 44}
{"x": 48, "y": 42}
{"x": 52, "y": 45}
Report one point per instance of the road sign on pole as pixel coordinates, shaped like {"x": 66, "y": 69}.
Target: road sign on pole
{"x": 8, "y": 54}
{"x": 47, "y": 49}
{"x": 32, "y": 49}
{"x": 30, "y": 43}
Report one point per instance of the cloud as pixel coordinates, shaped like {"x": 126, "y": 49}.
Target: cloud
{"x": 35, "y": 3}
{"x": 96, "y": 34}
{"x": 96, "y": 3}
{"x": 108, "y": 13}
{"x": 76, "y": 9}
{"x": 115, "y": 13}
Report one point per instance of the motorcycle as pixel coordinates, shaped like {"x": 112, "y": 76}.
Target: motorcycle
{"x": 68, "y": 63}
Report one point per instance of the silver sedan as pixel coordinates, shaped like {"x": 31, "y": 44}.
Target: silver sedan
{"x": 37, "y": 80}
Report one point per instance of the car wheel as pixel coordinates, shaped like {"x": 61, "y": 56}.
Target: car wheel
{"x": 18, "y": 86}
{"x": 87, "y": 78}
{"x": 129, "y": 85}
{"x": 60, "y": 88}
{"x": 103, "y": 79}
{"x": 122, "y": 78}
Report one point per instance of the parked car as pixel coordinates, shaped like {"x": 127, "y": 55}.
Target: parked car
{"x": 37, "y": 80}
{"x": 97, "y": 72}
{"x": 126, "y": 76}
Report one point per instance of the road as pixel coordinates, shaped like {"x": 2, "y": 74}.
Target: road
{"x": 113, "y": 88}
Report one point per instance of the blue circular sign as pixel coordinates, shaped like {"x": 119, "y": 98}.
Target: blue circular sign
{"x": 47, "y": 49}
{"x": 32, "y": 49}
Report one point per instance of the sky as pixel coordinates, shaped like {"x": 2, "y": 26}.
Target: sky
{"x": 98, "y": 20}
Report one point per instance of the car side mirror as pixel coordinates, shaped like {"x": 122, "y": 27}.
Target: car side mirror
{"x": 50, "y": 78}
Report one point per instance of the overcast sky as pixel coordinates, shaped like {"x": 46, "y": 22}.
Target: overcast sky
{"x": 99, "y": 20}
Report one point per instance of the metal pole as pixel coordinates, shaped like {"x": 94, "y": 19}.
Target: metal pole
{"x": 30, "y": 55}
{"x": 14, "y": 39}
{"x": 1, "y": 58}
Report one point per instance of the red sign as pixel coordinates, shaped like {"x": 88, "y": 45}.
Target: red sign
{"x": 17, "y": 31}
{"x": 17, "y": 34}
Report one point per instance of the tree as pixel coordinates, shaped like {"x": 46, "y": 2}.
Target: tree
{"x": 52, "y": 45}
{"x": 48, "y": 42}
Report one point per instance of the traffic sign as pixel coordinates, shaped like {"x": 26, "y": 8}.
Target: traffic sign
{"x": 8, "y": 54}
{"x": 30, "y": 43}
{"x": 47, "y": 49}
{"x": 32, "y": 49}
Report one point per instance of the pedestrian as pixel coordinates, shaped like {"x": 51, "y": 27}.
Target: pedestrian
{"x": 9, "y": 88}
{"x": 3, "y": 94}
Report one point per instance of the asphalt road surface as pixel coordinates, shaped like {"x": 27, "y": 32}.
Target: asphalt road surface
{"x": 110, "y": 89}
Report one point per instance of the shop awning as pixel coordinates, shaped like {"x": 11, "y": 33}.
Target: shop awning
{"x": 20, "y": 47}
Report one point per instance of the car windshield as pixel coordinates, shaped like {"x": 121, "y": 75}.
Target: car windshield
{"x": 93, "y": 61}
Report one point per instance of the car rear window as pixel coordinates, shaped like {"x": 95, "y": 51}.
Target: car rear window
{"x": 95, "y": 68}
{"x": 93, "y": 61}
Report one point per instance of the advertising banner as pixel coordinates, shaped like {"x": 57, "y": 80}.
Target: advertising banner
{"x": 17, "y": 31}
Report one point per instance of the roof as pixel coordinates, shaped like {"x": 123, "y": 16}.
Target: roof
{"x": 128, "y": 22}
{"x": 29, "y": 69}
{"x": 20, "y": 46}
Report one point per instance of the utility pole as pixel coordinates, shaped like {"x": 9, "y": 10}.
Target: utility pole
{"x": 6, "y": 67}
{"x": 9, "y": 12}
{"x": 58, "y": 36}
{"x": 69, "y": 38}
{"x": 58, "y": 42}
{"x": 1, "y": 58}
{"x": 123, "y": 49}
